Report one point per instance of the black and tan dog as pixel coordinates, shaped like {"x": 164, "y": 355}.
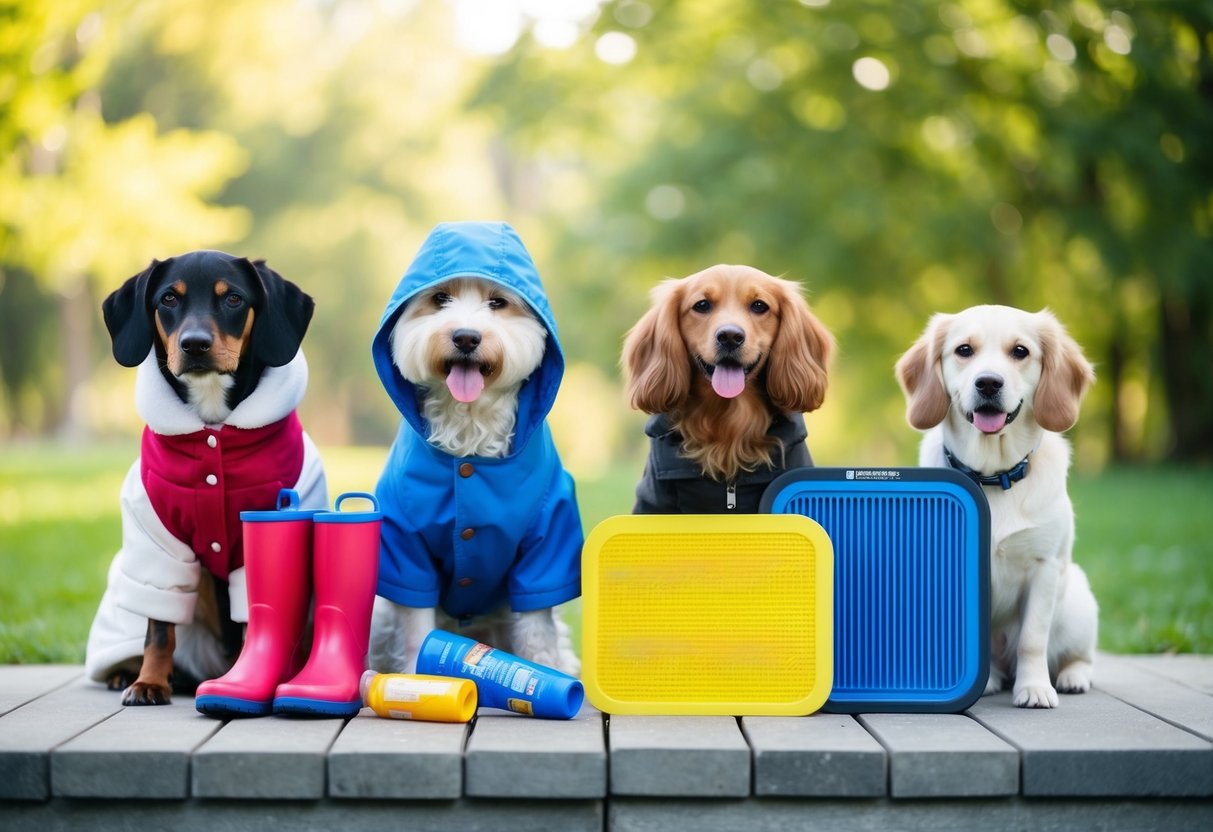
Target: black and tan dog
{"x": 216, "y": 339}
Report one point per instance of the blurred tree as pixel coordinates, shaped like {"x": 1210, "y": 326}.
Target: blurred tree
{"x": 82, "y": 200}
{"x": 350, "y": 113}
{"x": 902, "y": 158}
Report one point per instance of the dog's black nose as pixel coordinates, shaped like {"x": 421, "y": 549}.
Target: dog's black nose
{"x": 196, "y": 342}
{"x": 730, "y": 337}
{"x": 466, "y": 340}
{"x": 988, "y": 385}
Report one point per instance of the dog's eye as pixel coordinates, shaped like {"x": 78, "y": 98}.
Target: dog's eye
{"x": 498, "y": 303}
{"x": 441, "y": 298}
{"x": 759, "y": 307}
{"x": 964, "y": 351}
{"x": 1019, "y": 352}
{"x": 168, "y": 299}
{"x": 233, "y": 300}
{"x": 702, "y": 305}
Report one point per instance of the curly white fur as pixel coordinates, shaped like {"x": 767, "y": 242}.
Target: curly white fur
{"x": 511, "y": 347}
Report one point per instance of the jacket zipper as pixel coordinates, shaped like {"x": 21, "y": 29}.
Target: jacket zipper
{"x": 730, "y": 496}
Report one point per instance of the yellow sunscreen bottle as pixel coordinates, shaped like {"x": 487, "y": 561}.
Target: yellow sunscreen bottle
{"x": 413, "y": 696}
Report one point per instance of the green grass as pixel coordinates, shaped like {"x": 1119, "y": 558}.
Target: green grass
{"x": 1145, "y": 537}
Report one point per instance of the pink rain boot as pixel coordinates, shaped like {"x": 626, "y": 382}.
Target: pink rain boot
{"x": 346, "y": 564}
{"x": 278, "y": 567}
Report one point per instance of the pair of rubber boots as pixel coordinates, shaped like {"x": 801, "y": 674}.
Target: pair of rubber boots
{"x": 286, "y": 553}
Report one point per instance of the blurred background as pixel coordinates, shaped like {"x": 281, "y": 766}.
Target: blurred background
{"x": 898, "y": 157}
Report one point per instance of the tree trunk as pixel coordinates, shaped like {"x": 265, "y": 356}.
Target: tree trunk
{"x": 1113, "y": 372}
{"x": 1186, "y": 328}
{"x": 75, "y": 336}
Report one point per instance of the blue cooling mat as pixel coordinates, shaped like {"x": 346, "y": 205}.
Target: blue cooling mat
{"x": 911, "y": 583}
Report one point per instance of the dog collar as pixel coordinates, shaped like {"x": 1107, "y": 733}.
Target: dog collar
{"x": 1003, "y": 478}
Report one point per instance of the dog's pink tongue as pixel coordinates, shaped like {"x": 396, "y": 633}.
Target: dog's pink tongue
{"x": 989, "y": 422}
{"x": 728, "y": 380}
{"x": 465, "y": 382}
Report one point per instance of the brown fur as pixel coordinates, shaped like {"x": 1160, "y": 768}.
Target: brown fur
{"x": 153, "y": 685}
{"x": 786, "y": 351}
{"x": 1065, "y": 376}
{"x": 226, "y": 349}
{"x": 921, "y": 377}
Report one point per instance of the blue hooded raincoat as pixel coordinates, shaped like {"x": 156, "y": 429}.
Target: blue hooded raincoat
{"x": 471, "y": 534}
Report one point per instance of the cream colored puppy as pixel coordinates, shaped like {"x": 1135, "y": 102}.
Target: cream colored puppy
{"x": 994, "y": 387}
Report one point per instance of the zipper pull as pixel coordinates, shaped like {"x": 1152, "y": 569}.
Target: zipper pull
{"x": 730, "y": 496}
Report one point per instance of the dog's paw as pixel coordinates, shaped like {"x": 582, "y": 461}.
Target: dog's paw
{"x": 147, "y": 693}
{"x": 1074, "y": 678}
{"x": 1035, "y": 696}
{"x": 120, "y": 680}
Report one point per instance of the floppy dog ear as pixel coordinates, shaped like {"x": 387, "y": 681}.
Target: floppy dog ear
{"x": 796, "y": 371}
{"x": 921, "y": 376}
{"x": 654, "y": 356}
{"x": 128, "y": 318}
{"x": 281, "y": 320}
{"x": 1065, "y": 375}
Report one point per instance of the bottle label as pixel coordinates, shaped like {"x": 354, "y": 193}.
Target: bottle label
{"x": 412, "y": 690}
{"x": 475, "y": 654}
{"x": 519, "y": 683}
{"x": 400, "y": 714}
{"x": 520, "y": 706}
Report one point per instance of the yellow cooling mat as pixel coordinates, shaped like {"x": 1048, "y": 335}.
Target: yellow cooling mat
{"x": 708, "y": 614}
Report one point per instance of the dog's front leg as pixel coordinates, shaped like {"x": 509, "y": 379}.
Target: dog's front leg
{"x": 534, "y": 636}
{"x": 153, "y": 685}
{"x": 1032, "y": 688}
{"x": 396, "y": 635}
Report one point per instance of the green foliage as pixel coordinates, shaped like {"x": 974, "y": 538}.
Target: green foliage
{"x": 84, "y": 197}
{"x": 899, "y": 158}
{"x": 903, "y": 158}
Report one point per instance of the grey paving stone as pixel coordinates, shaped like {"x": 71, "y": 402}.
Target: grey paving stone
{"x": 944, "y": 755}
{"x": 399, "y": 759}
{"x": 265, "y": 757}
{"x": 824, "y": 755}
{"x": 1188, "y": 669}
{"x": 139, "y": 752}
{"x": 1135, "y": 684}
{"x": 28, "y": 733}
{"x": 25, "y": 682}
{"x": 701, "y": 756}
{"x": 514, "y": 756}
{"x": 1094, "y": 745}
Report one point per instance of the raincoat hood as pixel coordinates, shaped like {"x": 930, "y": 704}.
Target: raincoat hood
{"x": 473, "y": 534}
{"x": 490, "y": 250}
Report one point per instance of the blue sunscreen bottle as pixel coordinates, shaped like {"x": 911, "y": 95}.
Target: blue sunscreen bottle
{"x": 502, "y": 679}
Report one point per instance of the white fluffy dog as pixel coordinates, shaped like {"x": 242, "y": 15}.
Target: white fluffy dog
{"x": 994, "y": 387}
{"x": 468, "y": 345}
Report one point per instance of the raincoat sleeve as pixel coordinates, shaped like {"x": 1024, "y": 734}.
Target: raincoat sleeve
{"x": 155, "y": 574}
{"x": 548, "y": 570}
{"x": 407, "y": 573}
